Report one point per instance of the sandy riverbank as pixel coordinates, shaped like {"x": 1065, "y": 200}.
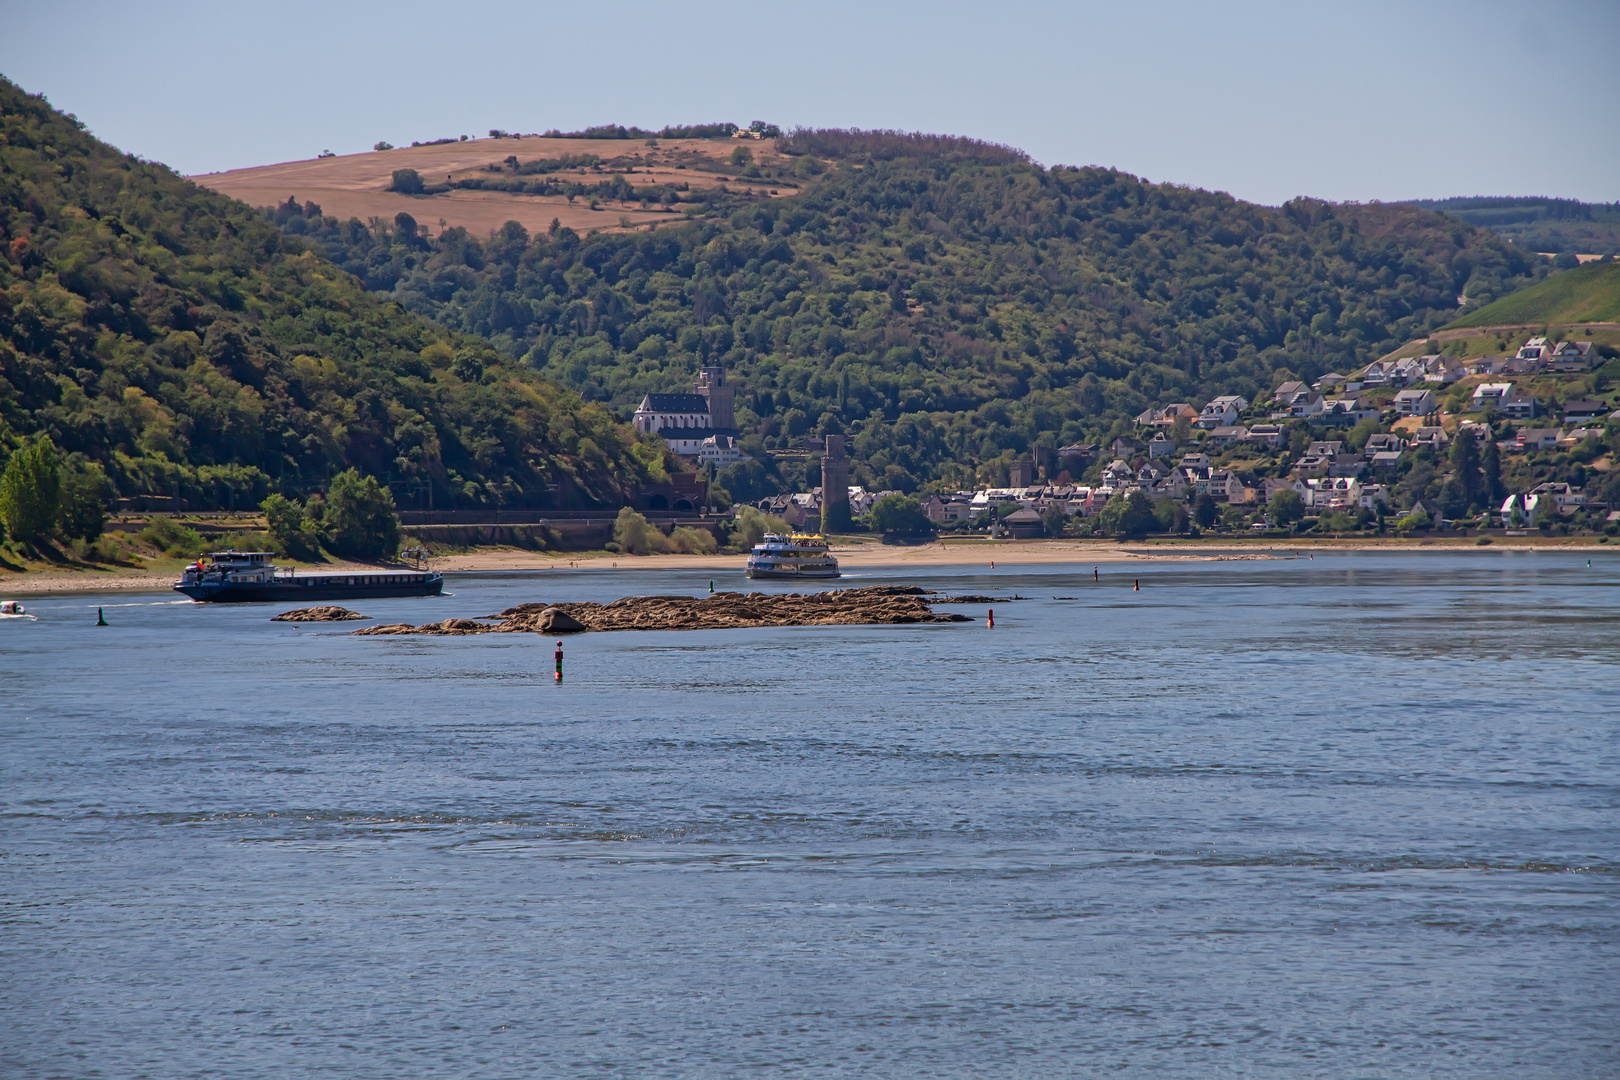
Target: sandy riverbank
{"x": 1005, "y": 554}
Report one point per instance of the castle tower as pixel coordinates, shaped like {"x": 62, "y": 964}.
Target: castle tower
{"x": 721, "y": 396}
{"x": 834, "y": 486}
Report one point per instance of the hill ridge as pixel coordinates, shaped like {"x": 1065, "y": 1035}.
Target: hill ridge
{"x": 188, "y": 348}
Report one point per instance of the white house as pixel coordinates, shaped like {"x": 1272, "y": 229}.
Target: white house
{"x": 1487, "y": 395}
{"x": 1571, "y": 356}
{"x": 721, "y": 451}
{"x": 1222, "y": 411}
{"x": 1415, "y": 403}
{"x": 1269, "y": 435}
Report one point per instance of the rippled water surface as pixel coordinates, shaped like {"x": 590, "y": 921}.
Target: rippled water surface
{"x": 1356, "y": 816}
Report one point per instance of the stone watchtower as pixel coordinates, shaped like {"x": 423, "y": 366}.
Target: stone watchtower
{"x": 720, "y": 395}
{"x": 834, "y": 486}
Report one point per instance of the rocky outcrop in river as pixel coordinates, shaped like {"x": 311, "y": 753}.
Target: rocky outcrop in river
{"x": 878, "y": 605}
{"x": 324, "y": 613}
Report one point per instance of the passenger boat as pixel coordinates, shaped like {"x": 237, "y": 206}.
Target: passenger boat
{"x": 796, "y": 556}
{"x": 13, "y": 609}
{"x": 227, "y": 576}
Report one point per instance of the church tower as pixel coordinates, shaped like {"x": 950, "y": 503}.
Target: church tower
{"x": 720, "y": 395}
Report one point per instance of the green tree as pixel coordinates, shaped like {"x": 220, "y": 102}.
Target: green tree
{"x": 1205, "y": 510}
{"x": 407, "y": 182}
{"x": 1130, "y": 515}
{"x": 1054, "y": 521}
{"x": 1287, "y": 507}
{"x": 360, "y": 518}
{"x": 292, "y": 533}
{"x": 31, "y": 492}
{"x": 1490, "y": 464}
{"x": 84, "y": 503}
{"x": 1465, "y": 462}
{"x": 635, "y": 535}
{"x": 1416, "y": 518}
{"x": 899, "y": 515}
{"x": 752, "y": 524}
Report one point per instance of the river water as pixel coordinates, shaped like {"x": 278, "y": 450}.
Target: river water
{"x": 1350, "y": 816}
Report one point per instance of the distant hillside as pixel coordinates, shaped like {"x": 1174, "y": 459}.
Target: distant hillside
{"x": 184, "y": 343}
{"x": 1588, "y": 294}
{"x": 1538, "y": 224}
{"x": 948, "y": 303}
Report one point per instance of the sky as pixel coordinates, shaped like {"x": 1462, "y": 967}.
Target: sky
{"x": 1267, "y": 101}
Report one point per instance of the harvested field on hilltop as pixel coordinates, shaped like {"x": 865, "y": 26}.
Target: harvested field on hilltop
{"x": 356, "y": 185}
{"x": 872, "y": 606}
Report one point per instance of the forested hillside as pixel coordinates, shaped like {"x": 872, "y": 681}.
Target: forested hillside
{"x": 1564, "y": 226}
{"x": 185, "y": 345}
{"x": 946, "y": 302}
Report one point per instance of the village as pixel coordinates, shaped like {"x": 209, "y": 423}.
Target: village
{"x": 1369, "y": 450}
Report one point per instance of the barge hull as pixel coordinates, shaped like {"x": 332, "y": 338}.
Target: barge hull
{"x": 311, "y": 588}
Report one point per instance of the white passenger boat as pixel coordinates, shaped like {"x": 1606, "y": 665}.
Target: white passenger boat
{"x": 13, "y": 609}
{"x": 796, "y": 556}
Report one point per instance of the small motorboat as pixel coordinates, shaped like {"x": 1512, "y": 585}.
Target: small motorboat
{"x": 13, "y": 609}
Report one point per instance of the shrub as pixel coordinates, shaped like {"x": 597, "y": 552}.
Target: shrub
{"x": 172, "y": 538}
{"x": 406, "y": 182}
{"x": 752, "y": 524}
{"x": 1417, "y": 519}
{"x": 691, "y": 541}
{"x": 635, "y": 535}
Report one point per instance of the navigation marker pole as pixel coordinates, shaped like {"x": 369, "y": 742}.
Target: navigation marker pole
{"x": 101, "y": 620}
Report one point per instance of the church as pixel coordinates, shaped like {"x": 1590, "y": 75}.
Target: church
{"x": 684, "y": 421}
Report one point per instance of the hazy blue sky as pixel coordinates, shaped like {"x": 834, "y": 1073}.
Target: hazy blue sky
{"x": 1265, "y": 100}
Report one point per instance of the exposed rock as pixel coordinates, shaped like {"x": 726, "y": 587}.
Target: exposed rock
{"x": 878, "y": 605}
{"x": 325, "y": 613}
{"x": 450, "y": 627}
{"x": 557, "y": 621}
